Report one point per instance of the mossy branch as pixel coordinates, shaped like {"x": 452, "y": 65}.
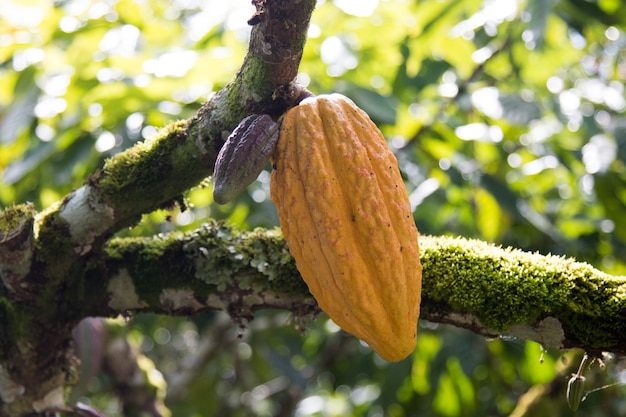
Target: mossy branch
{"x": 553, "y": 300}
{"x": 156, "y": 172}
{"x": 472, "y": 284}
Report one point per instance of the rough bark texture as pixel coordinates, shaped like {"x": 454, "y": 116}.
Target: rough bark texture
{"x": 60, "y": 266}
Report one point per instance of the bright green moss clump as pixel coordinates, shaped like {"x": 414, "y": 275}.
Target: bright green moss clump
{"x": 151, "y": 173}
{"x": 144, "y": 161}
{"x": 504, "y": 287}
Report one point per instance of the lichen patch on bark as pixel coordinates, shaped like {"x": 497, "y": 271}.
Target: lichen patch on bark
{"x": 123, "y": 295}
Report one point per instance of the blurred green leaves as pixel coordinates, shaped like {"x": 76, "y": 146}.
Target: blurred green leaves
{"x": 80, "y": 81}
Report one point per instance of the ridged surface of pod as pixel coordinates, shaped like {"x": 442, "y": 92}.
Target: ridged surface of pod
{"x": 345, "y": 214}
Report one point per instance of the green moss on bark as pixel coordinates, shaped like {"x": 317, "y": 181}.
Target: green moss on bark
{"x": 505, "y": 287}
{"x": 55, "y": 251}
{"x": 151, "y": 173}
{"x": 153, "y": 264}
{"x": 13, "y": 218}
{"x": 144, "y": 162}
{"x": 209, "y": 260}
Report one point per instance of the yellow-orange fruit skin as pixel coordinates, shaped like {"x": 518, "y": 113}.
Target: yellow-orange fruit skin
{"x": 347, "y": 220}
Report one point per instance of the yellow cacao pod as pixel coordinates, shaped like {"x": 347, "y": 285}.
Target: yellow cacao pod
{"x": 345, "y": 215}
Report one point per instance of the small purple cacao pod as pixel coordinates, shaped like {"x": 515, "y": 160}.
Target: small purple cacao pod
{"x": 242, "y": 158}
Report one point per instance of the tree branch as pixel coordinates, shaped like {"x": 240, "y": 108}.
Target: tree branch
{"x": 210, "y": 268}
{"x": 555, "y": 301}
{"x": 154, "y": 173}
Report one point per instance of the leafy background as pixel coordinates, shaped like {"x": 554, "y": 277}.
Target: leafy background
{"x": 507, "y": 118}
